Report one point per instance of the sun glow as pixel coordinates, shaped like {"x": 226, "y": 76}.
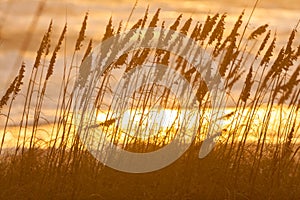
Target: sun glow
{"x": 148, "y": 123}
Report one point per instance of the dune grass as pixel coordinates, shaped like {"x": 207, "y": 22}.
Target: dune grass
{"x": 237, "y": 168}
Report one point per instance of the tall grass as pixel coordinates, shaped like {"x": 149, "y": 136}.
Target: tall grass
{"x": 240, "y": 167}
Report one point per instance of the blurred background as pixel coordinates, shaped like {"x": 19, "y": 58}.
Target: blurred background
{"x": 23, "y": 23}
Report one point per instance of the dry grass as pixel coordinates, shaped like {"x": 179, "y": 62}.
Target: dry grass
{"x": 238, "y": 168}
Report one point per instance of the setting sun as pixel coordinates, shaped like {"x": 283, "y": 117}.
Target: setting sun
{"x": 149, "y": 99}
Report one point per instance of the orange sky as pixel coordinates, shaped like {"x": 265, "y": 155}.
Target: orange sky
{"x": 17, "y": 15}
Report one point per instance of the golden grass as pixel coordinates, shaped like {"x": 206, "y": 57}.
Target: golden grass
{"x": 236, "y": 169}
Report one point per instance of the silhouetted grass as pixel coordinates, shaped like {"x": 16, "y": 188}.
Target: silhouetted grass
{"x": 238, "y": 167}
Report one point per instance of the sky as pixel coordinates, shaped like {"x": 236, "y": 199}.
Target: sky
{"x": 17, "y": 16}
{"x": 21, "y": 31}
